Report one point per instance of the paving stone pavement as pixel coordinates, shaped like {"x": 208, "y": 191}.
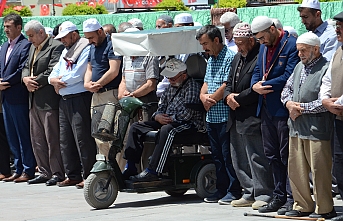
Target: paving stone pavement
{"x": 38, "y": 202}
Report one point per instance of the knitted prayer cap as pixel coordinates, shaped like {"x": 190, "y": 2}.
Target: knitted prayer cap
{"x": 242, "y": 30}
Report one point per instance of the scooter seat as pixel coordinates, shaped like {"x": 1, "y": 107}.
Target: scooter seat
{"x": 184, "y": 138}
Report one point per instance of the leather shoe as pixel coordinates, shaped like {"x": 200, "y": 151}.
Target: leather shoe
{"x": 53, "y": 181}
{"x": 2, "y": 176}
{"x": 68, "y": 182}
{"x": 23, "y": 178}
{"x": 38, "y": 179}
{"x": 144, "y": 176}
{"x": 272, "y": 206}
{"x": 297, "y": 213}
{"x": 328, "y": 215}
{"x": 80, "y": 185}
{"x": 288, "y": 206}
{"x": 11, "y": 178}
{"x": 338, "y": 218}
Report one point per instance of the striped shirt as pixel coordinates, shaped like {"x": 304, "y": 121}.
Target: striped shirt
{"x": 217, "y": 73}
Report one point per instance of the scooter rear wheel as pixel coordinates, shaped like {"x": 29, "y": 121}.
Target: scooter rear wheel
{"x": 94, "y": 192}
{"x": 206, "y": 181}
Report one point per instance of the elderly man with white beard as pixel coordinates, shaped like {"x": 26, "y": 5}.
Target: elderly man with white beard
{"x": 310, "y": 130}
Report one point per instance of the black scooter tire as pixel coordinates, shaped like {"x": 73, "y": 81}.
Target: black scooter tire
{"x": 206, "y": 181}
{"x": 93, "y": 191}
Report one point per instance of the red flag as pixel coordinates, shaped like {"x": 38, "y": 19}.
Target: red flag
{"x": 101, "y": 2}
{"x": 44, "y": 10}
{"x": 78, "y": 3}
{"x": 2, "y": 6}
{"x": 113, "y": 1}
{"x": 58, "y": 5}
{"x": 32, "y": 6}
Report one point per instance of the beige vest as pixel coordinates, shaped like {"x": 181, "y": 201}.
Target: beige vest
{"x": 337, "y": 74}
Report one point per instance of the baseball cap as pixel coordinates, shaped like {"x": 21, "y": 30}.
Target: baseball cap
{"x": 65, "y": 28}
{"x": 91, "y": 25}
{"x": 173, "y": 67}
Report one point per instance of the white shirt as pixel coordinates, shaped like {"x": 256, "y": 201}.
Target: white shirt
{"x": 231, "y": 45}
{"x": 325, "y": 88}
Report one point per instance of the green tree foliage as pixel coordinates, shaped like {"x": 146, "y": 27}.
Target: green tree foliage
{"x": 83, "y": 9}
{"x": 23, "y": 11}
{"x": 101, "y": 9}
{"x": 230, "y": 4}
{"x": 178, "y": 4}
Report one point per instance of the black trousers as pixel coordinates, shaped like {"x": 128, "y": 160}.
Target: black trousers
{"x": 4, "y": 149}
{"x": 275, "y": 134}
{"x": 164, "y": 139}
{"x": 78, "y": 147}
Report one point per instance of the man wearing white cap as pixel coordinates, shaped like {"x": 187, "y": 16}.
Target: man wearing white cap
{"x": 229, "y": 20}
{"x": 310, "y": 128}
{"x": 77, "y": 145}
{"x": 310, "y": 15}
{"x": 137, "y": 23}
{"x": 211, "y": 95}
{"x": 183, "y": 19}
{"x": 171, "y": 118}
{"x": 276, "y": 60}
{"x": 331, "y": 94}
{"x": 103, "y": 76}
{"x": 248, "y": 159}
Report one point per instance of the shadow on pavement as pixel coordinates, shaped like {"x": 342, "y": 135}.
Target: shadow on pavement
{"x": 166, "y": 200}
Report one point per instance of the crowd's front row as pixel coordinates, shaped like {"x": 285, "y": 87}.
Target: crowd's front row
{"x": 271, "y": 110}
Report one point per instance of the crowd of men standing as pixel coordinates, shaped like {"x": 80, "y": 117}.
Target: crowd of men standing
{"x": 274, "y": 105}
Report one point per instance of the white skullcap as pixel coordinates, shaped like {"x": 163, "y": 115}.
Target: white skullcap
{"x": 137, "y": 23}
{"x": 260, "y": 23}
{"x": 309, "y": 38}
{"x": 310, "y": 4}
{"x": 183, "y": 18}
{"x": 290, "y": 30}
{"x": 91, "y": 25}
{"x": 242, "y": 30}
{"x": 132, "y": 30}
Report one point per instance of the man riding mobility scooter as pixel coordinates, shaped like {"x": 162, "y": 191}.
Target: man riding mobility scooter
{"x": 183, "y": 170}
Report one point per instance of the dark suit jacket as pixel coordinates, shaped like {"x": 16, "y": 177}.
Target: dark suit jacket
{"x": 12, "y": 70}
{"x": 277, "y": 78}
{"x": 45, "y": 97}
{"x": 246, "y": 122}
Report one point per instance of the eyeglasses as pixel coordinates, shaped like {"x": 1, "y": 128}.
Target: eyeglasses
{"x": 175, "y": 77}
{"x": 260, "y": 39}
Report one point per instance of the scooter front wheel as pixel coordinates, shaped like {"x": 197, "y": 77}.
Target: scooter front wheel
{"x": 95, "y": 192}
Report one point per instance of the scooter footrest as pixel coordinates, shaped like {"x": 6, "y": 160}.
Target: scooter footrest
{"x": 136, "y": 185}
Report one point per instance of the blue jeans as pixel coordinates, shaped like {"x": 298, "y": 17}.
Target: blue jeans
{"x": 227, "y": 180}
